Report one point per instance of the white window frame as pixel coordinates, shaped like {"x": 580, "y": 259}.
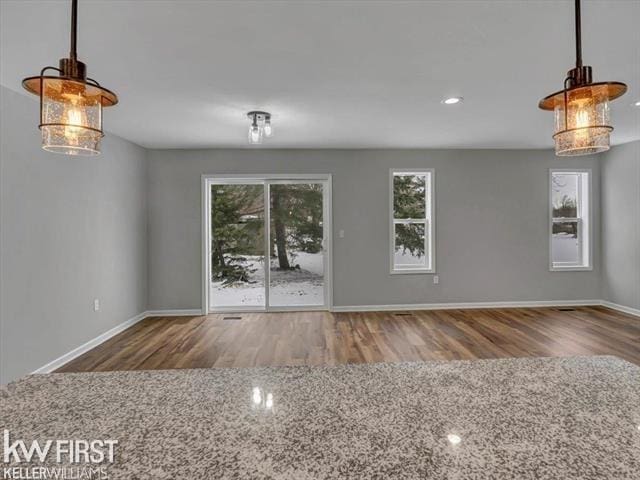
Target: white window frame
{"x": 428, "y": 221}
{"x": 584, "y": 220}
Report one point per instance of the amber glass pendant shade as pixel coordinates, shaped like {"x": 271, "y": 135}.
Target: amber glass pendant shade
{"x": 582, "y": 117}
{"x": 70, "y": 104}
{"x": 582, "y": 120}
{"x": 71, "y": 120}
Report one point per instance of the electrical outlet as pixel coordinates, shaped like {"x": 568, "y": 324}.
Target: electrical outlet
{"x": 436, "y": 279}
{"x": 341, "y": 234}
{"x": 96, "y": 305}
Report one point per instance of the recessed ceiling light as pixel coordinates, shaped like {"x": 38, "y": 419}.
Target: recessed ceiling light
{"x": 452, "y": 100}
{"x": 637, "y": 104}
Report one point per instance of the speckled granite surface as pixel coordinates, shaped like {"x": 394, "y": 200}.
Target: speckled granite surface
{"x": 570, "y": 418}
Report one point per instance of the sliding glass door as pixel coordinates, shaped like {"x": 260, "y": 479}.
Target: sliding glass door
{"x": 266, "y": 243}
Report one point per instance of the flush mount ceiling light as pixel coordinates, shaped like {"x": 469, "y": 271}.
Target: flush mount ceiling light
{"x": 582, "y": 108}
{"x": 70, "y": 103}
{"x": 259, "y": 126}
{"x": 452, "y": 100}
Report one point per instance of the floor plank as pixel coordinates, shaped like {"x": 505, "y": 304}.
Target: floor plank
{"x": 323, "y": 338}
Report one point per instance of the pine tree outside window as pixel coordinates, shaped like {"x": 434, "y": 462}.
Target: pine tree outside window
{"x": 412, "y": 228}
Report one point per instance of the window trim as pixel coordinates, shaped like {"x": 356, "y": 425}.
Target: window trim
{"x": 585, "y": 221}
{"x": 429, "y": 221}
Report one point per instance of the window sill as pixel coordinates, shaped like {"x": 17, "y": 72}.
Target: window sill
{"x": 414, "y": 271}
{"x": 571, "y": 269}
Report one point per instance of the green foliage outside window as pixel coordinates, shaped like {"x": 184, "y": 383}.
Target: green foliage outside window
{"x": 409, "y": 194}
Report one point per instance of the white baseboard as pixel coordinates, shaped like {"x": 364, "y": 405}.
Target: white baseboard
{"x": 466, "y": 305}
{"x": 620, "y": 308}
{"x": 174, "y": 313}
{"x": 67, "y": 357}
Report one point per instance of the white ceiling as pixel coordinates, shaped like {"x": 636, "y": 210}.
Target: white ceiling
{"x": 334, "y": 74}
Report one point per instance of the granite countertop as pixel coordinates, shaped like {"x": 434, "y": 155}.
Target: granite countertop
{"x": 541, "y": 418}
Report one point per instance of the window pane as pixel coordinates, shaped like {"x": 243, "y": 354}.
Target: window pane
{"x": 564, "y": 196}
{"x": 296, "y": 248}
{"x": 237, "y": 246}
{"x": 565, "y": 244}
{"x": 410, "y": 240}
{"x": 409, "y": 193}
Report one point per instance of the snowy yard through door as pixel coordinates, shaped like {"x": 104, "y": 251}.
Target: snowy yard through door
{"x": 300, "y": 286}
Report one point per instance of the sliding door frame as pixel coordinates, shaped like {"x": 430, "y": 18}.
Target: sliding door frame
{"x": 267, "y": 180}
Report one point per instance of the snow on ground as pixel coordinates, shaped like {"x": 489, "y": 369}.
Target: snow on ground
{"x": 565, "y": 247}
{"x": 304, "y": 286}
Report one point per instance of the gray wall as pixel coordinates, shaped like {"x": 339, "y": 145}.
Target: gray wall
{"x": 492, "y": 223}
{"x": 72, "y": 229}
{"x": 621, "y": 225}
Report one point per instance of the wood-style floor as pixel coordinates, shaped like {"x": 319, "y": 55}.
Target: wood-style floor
{"x": 322, "y": 338}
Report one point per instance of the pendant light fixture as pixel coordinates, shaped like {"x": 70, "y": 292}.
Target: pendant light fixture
{"x": 70, "y": 103}
{"x": 259, "y": 126}
{"x": 582, "y": 108}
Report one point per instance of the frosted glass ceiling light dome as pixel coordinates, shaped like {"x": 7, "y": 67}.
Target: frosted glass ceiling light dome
{"x": 581, "y": 109}
{"x": 70, "y": 103}
{"x": 259, "y": 126}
